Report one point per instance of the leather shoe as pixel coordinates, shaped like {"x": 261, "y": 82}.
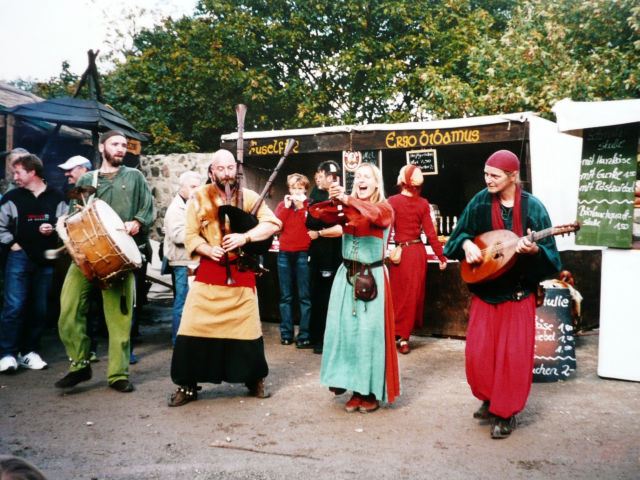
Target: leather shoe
{"x": 368, "y": 404}
{"x": 123, "y": 385}
{"x": 403, "y": 347}
{"x": 354, "y": 403}
{"x": 71, "y": 379}
{"x": 286, "y": 341}
{"x": 483, "y": 412}
{"x": 184, "y": 395}
{"x": 304, "y": 344}
{"x": 502, "y": 427}
{"x": 256, "y": 389}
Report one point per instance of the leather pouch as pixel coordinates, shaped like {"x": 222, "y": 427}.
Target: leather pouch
{"x": 365, "y": 283}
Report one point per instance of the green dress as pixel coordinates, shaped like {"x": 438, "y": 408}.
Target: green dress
{"x": 359, "y": 335}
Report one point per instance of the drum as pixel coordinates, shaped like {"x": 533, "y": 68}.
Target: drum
{"x": 96, "y": 240}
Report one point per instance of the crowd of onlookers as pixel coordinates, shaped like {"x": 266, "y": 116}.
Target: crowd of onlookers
{"x": 357, "y": 304}
{"x": 309, "y": 255}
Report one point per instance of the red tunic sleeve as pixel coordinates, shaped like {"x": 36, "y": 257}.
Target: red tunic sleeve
{"x": 360, "y": 215}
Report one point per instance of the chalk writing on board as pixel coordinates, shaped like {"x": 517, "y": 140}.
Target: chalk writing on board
{"x": 554, "y": 358}
{"x": 427, "y": 160}
{"x": 606, "y": 186}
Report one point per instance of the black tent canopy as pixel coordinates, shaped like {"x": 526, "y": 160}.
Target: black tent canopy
{"x": 76, "y": 112}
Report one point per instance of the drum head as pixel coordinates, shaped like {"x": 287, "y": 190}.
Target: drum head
{"x": 114, "y": 226}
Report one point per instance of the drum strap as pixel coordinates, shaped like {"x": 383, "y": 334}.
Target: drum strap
{"x": 94, "y": 184}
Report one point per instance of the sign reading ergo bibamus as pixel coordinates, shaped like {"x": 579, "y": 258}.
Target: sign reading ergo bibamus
{"x": 606, "y": 186}
{"x": 383, "y": 139}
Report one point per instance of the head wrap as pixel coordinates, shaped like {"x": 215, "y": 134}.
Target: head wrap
{"x": 410, "y": 175}
{"x": 111, "y": 133}
{"x": 504, "y": 160}
{"x": 508, "y": 162}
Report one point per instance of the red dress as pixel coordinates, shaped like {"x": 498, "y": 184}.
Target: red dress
{"x": 408, "y": 278}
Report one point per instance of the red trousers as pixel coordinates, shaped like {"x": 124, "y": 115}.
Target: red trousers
{"x": 499, "y": 353}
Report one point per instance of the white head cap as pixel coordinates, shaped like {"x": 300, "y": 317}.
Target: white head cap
{"x": 77, "y": 161}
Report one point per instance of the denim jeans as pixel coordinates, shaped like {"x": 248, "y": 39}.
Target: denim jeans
{"x": 24, "y": 313}
{"x": 181, "y": 287}
{"x": 293, "y": 269}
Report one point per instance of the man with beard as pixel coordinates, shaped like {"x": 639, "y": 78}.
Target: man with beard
{"x": 220, "y": 335}
{"x": 502, "y": 319}
{"x": 127, "y": 192}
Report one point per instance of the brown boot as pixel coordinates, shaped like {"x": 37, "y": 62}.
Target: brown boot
{"x": 502, "y": 427}
{"x": 483, "y": 412}
{"x": 256, "y": 389}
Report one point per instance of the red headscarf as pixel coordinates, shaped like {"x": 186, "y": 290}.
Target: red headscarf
{"x": 406, "y": 180}
{"x": 507, "y": 161}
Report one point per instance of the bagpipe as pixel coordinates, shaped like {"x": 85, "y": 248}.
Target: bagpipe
{"x": 240, "y": 221}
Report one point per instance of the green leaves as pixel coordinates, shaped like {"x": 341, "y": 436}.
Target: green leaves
{"x": 307, "y": 63}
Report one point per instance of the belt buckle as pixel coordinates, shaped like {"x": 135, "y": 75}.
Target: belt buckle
{"x": 518, "y": 294}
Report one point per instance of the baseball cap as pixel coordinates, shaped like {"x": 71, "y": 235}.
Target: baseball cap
{"x": 76, "y": 161}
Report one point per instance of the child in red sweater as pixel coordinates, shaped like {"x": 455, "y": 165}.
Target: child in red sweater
{"x": 293, "y": 261}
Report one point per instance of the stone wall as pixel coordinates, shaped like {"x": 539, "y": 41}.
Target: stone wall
{"x": 162, "y": 172}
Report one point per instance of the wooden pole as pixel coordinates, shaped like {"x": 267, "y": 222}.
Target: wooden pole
{"x": 9, "y": 144}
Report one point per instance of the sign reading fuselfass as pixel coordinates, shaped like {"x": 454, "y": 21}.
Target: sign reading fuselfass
{"x": 606, "y": 186}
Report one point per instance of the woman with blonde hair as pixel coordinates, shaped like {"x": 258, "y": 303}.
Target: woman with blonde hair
{"x": 412, "y": 214}
{"x": 359, "y": 352}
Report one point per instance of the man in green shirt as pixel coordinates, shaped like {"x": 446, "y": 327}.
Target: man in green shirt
{"x": 501, "y": 332}
{"x": 127, "y": 192}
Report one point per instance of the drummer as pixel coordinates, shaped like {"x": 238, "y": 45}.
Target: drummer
{"x": 127, "y": 192}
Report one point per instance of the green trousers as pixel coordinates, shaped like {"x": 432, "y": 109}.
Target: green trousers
{"x": 72, "y": 324}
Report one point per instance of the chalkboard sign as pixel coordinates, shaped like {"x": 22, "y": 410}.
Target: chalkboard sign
{"x": 606, "y": 188}
{"x": 555, "y": 357}
{"x": 425, "y": 159}
{"x": 368, "y": 156}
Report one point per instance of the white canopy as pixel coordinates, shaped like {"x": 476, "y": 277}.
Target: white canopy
{"x": 572, "y": 116}
{"x": 430, "y": 125}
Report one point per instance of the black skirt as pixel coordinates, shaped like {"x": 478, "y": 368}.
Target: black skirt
{"x": 216, "y": 360}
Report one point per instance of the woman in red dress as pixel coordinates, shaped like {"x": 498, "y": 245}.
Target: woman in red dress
{"x": 408, "y": 278}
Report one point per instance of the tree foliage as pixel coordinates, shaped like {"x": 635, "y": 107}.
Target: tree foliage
{"x": 307, "y": 63}
{"x": 580, "y": 49}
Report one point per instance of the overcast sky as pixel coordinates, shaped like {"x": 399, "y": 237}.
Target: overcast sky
{"x": 38, "y": 35}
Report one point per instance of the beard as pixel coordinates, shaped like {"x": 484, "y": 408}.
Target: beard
{"x": 223, "y": 182}
{"x": 113, "y": 160}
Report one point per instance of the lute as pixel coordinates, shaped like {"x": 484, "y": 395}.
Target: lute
{"x": 498, "y": 249}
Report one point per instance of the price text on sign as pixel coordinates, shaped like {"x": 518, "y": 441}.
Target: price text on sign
{"x": 426, "y": 160}
{"x": 555, "y": 357}
{"x": 606, "y": 186}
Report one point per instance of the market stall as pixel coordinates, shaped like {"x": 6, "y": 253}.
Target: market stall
{"x": 451, "y": 154}
{"x": 608, "y": 204}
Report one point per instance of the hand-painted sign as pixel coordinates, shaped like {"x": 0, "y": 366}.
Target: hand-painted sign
{"x": 606, "y": 188}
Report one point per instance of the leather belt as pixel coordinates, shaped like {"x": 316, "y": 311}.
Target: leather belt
{"x": 410, "y": 242}
{"x": 352, "y": 264}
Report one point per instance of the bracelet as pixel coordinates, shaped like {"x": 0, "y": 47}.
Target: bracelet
{"x": 247, "y": 238}
{"x": 319, "y": 233}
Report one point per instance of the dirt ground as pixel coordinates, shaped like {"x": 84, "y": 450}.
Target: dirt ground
{"x": 585, "y": 427}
